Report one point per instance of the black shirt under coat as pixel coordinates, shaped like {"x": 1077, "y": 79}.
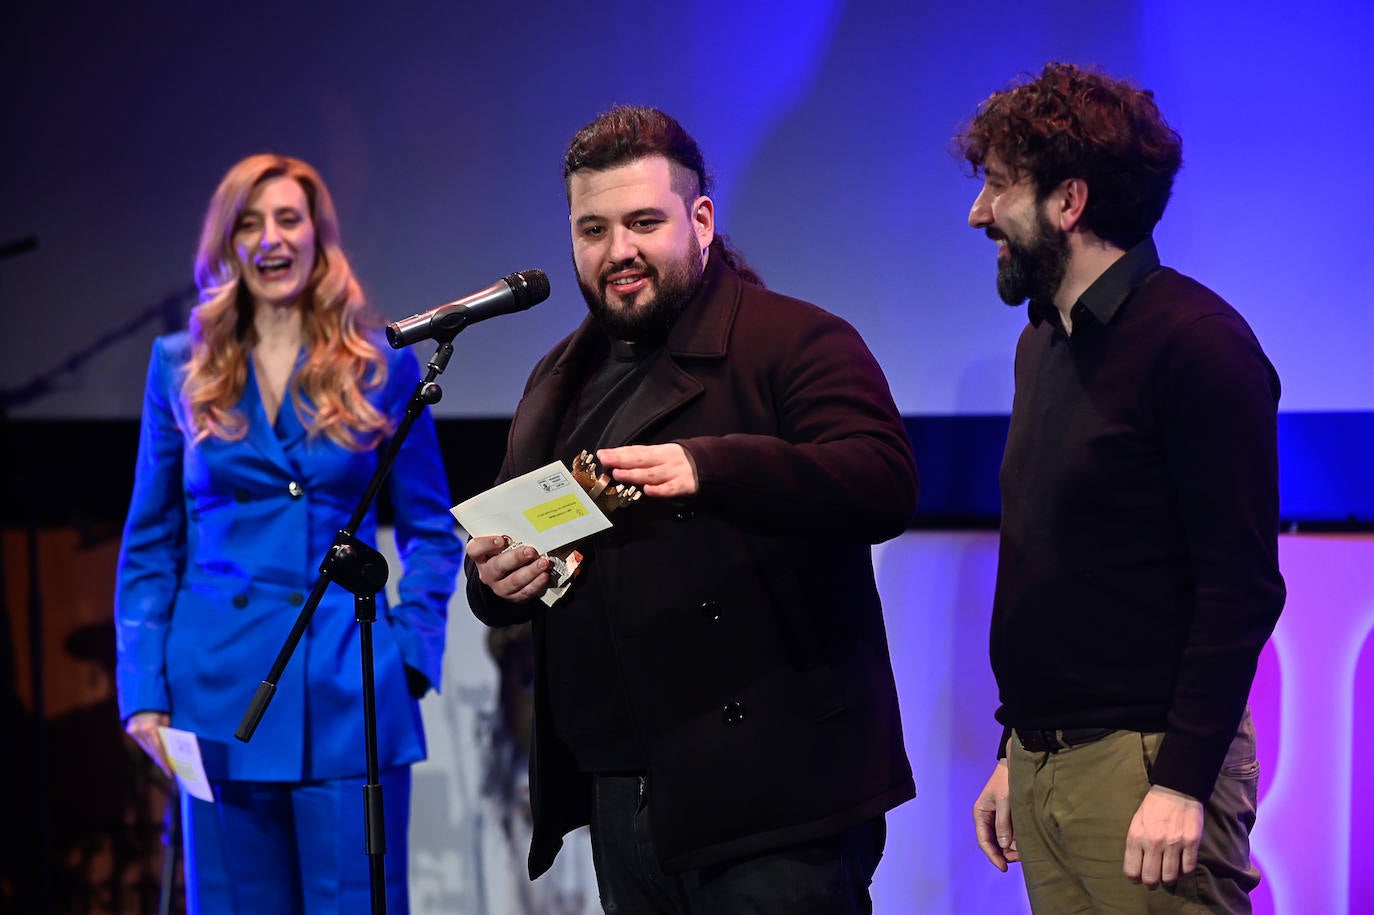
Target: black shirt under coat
{"x": 585, "y": 692}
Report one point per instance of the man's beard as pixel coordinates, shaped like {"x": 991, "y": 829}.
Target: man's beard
{"x": 673, "y": 288}
{"x": 1034, "y": 270}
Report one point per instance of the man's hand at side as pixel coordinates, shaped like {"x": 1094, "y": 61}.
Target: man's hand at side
{"x": 1165, "y": 832}
{"x": 992, "y": 819}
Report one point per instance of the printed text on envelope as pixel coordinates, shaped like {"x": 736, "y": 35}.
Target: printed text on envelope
{"x": 550, "y": 514}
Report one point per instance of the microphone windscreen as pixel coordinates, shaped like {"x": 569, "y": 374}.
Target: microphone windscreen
{"x": 530, "y": 287}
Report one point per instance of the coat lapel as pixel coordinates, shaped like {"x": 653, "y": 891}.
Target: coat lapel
{"x": 260, "y": 433}
{"x": 273, "y": 443}
{"x": 664, "y": 390}
{"x": 541, "y": 410}
{"x": 289, "y": 431}
{"x": 701, "y": 334}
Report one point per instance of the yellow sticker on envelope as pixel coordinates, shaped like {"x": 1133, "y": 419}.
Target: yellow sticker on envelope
{"x": 554, "y": 512}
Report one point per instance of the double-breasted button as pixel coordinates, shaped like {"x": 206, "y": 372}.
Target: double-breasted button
{"x": 710, "y": 610}
{"x": 683, "y": 513}
{"x": 295, "y": 598}
{"x": 240, "y": 601}
{"x": 733, "y": 713}
{"x": 295, "y": 489}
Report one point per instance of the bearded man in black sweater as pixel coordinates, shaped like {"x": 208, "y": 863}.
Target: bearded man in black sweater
{"x": 1138, "y": 573}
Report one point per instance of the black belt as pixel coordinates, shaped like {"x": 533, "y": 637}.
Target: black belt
{"x": 1054, "y": 741}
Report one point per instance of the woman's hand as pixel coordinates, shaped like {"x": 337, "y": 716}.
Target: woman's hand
{"x": 142, "y": 727}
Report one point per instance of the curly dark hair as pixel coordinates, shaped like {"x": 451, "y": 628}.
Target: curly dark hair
{"x": 1074, "y": 123}
{"x": 627, "y": 133}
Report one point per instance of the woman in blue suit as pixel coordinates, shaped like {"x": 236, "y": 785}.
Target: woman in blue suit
{"x": 261, "y": 427}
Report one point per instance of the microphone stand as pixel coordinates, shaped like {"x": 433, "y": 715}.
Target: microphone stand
{"x": 362, "y": 571}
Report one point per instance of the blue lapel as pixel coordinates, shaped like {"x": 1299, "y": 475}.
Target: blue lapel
{"x": 273, "y": 443}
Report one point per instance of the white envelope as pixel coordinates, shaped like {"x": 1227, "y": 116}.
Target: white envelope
{"x": 545, "y": 508}
{"x": 183, "y": 752}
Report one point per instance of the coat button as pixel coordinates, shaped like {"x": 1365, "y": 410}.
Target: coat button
{"x": 683, "y": 514}
{"x": 710, "y": 610}
{"x": 295, "y": 489}
{"x": 240, "y": 601}
{"x": 295, "y": 598}
{"x": 733, "y": 713}
{"x": 241, "y": 496}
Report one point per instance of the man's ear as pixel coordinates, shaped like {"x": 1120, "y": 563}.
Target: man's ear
{"x": 703, "y": 216}
{"x": 1068, "y": 203}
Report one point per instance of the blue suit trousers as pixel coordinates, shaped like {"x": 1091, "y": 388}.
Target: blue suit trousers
{"x": 292, "y": 847}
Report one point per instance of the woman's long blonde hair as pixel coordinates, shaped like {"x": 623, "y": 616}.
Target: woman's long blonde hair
{"x": 341, "y": 363}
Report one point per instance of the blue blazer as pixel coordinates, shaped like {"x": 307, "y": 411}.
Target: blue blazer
{"x": 222, "y": 545}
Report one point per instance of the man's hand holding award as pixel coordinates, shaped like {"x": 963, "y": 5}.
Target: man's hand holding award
{"x": 550, "y": 509}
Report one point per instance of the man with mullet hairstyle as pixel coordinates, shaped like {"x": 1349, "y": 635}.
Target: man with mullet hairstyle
{"x": 714, "y": 693}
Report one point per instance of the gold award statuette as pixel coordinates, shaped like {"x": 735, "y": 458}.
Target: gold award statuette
{"x": 565, "y": 562}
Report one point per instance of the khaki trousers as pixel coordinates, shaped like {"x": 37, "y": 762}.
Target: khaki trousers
{"x": 1071, "y": 810}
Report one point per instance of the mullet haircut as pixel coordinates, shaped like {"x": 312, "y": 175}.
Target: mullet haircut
{"x": 628, "y": 133}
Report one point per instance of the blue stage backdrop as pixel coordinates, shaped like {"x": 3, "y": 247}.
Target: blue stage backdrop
{"x": 827, "y": 125}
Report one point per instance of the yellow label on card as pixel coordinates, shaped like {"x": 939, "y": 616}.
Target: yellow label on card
{"x": 554, "y": 512}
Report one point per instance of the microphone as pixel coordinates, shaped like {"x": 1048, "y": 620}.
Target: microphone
{"x": 512, "y": 293}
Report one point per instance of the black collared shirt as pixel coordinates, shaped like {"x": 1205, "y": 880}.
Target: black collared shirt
{"x": 1099, "y": 302}
{"x": 1138, "y": 572}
